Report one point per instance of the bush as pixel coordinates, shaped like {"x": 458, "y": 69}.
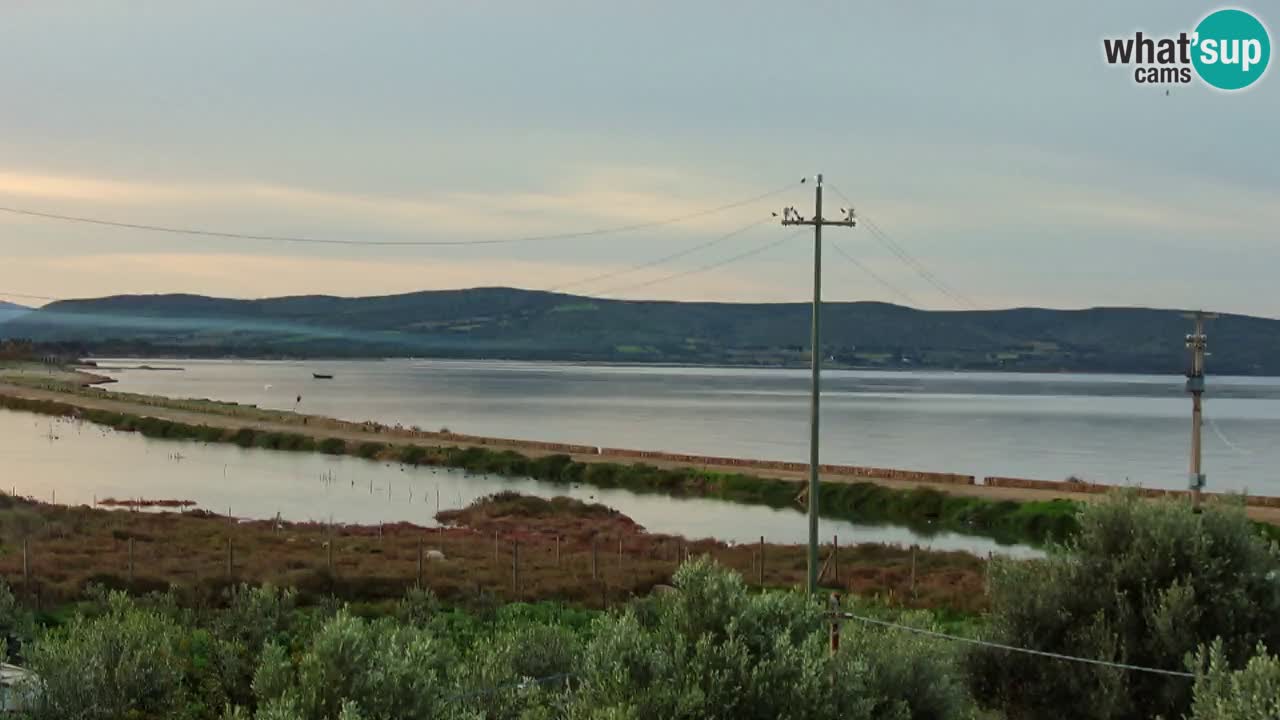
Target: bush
{"x": 1145, "y": 583}
{"x": 380, "y": 669}
{"x": 1252, "y": 692}
{"x": 333, "y": 446}
{"x": 122, "y": 664}
{"x": 16, "y": 626}
{"x": 713, "y": 650}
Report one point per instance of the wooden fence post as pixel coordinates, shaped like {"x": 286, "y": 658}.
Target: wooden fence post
{"x": 595, "y": 559}
{"x": 230, "y": 560}
{"x": 495, "y": 546}
{"x": 26, "y": 566}
{"x": 619, "y": 551}
{"x": 557, "y": 551}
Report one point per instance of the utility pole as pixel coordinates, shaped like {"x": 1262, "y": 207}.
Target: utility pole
{"x": 791, "y": 217}
{"x": 1196, "y": 343}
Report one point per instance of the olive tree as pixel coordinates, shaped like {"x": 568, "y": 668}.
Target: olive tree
{"x": 123, "y": 663}
{"x": 714, "y": 650}
{"x": 1143, "y": 582}
{"x": 1249, "y": 693}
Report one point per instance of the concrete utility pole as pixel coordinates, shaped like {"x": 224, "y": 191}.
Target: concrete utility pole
{"x": 1196, "y": 343}
{"x": 791, "y": 217}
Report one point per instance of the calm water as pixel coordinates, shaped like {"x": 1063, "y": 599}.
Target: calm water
{"x": 1105, "y": 428}
{"x": 76, "y": 463}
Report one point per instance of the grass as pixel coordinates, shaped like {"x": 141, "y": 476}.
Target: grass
{"x": 925, "y": 510}
{"x": 70, "y": 547}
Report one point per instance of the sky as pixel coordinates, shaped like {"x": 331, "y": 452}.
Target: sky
{"x": 994, "y": 145}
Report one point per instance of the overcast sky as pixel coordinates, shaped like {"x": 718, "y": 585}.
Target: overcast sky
{"x": 996, "y": 146}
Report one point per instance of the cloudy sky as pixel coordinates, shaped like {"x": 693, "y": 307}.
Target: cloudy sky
{"x": 994, "y": 145}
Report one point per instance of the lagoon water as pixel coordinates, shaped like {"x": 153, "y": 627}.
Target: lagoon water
{"x": 72, "y": 462}
{"x": 1106, "y": 428}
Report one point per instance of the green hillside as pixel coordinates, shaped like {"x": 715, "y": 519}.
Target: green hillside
{"x": 520, "y": 324}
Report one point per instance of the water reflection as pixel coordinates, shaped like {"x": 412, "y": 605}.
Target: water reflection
{"x": 81, "y": 462}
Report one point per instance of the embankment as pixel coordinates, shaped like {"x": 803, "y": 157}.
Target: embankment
{"x": 922, "y": 507}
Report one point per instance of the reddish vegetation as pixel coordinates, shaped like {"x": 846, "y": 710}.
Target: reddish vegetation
{"x": 529, "y": 519}
{"x": 144, "y": 503}
{"x": 555, "y": 543}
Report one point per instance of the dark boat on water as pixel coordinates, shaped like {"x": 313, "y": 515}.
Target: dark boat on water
{"x": 321, "y": 376}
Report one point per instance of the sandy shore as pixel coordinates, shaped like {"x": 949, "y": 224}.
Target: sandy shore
{"x": 224, "y": 415}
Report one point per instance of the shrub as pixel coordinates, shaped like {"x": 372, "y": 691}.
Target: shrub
{"x": 384, "y": 669}
{"x": 122, "y": 664}
{"x": 1145, "y": 583}
{"x": 333, "y": 446}
{"x": 1251, "y": 692}
{"x": 713, "y": 650}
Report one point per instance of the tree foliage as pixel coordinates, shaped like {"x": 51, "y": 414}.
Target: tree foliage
{"x": 1144, "y": 583}
{"x": 1249, "y": 693}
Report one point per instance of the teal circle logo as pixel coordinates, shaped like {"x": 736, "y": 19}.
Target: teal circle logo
{"x": 1232, "y": 49}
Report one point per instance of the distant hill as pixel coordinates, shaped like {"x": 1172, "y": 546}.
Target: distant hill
{"x": 521, "y": 324}
{"x": 9, "y": 311}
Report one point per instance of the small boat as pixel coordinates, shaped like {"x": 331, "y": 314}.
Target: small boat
{"x": 321, "y": 376}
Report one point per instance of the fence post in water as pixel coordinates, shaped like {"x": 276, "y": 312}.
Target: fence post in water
{"x": 595, "y": 559}
{"x": 419, "y": 562}
{"x": 761, "y": 568}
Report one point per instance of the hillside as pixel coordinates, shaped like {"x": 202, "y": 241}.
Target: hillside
{"x": 10, "y": 311}
{"x": 520, "y": 324}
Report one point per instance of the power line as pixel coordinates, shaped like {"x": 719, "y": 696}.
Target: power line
{"x": 710, "y": 266}
{"x": 919, "y": 267}
{"x": 1014, "y": 648}
{"x": 661, "y": 260}
{"x": 601, "y": 276}
{"x": 907, "y": 258}
{"x": 391, "y": 243}
{"x": 875, "y": 276}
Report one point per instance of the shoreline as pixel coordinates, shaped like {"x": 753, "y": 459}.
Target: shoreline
{"x": 1009, "y": 510}
{"x": 998, "y": 488}
{"x": 1173, "y": 373}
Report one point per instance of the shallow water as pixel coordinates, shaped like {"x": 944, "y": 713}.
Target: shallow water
{"x": 76, "y": 463}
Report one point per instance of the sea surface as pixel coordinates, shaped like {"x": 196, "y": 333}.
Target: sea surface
{"x": 1118, "y": 429}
